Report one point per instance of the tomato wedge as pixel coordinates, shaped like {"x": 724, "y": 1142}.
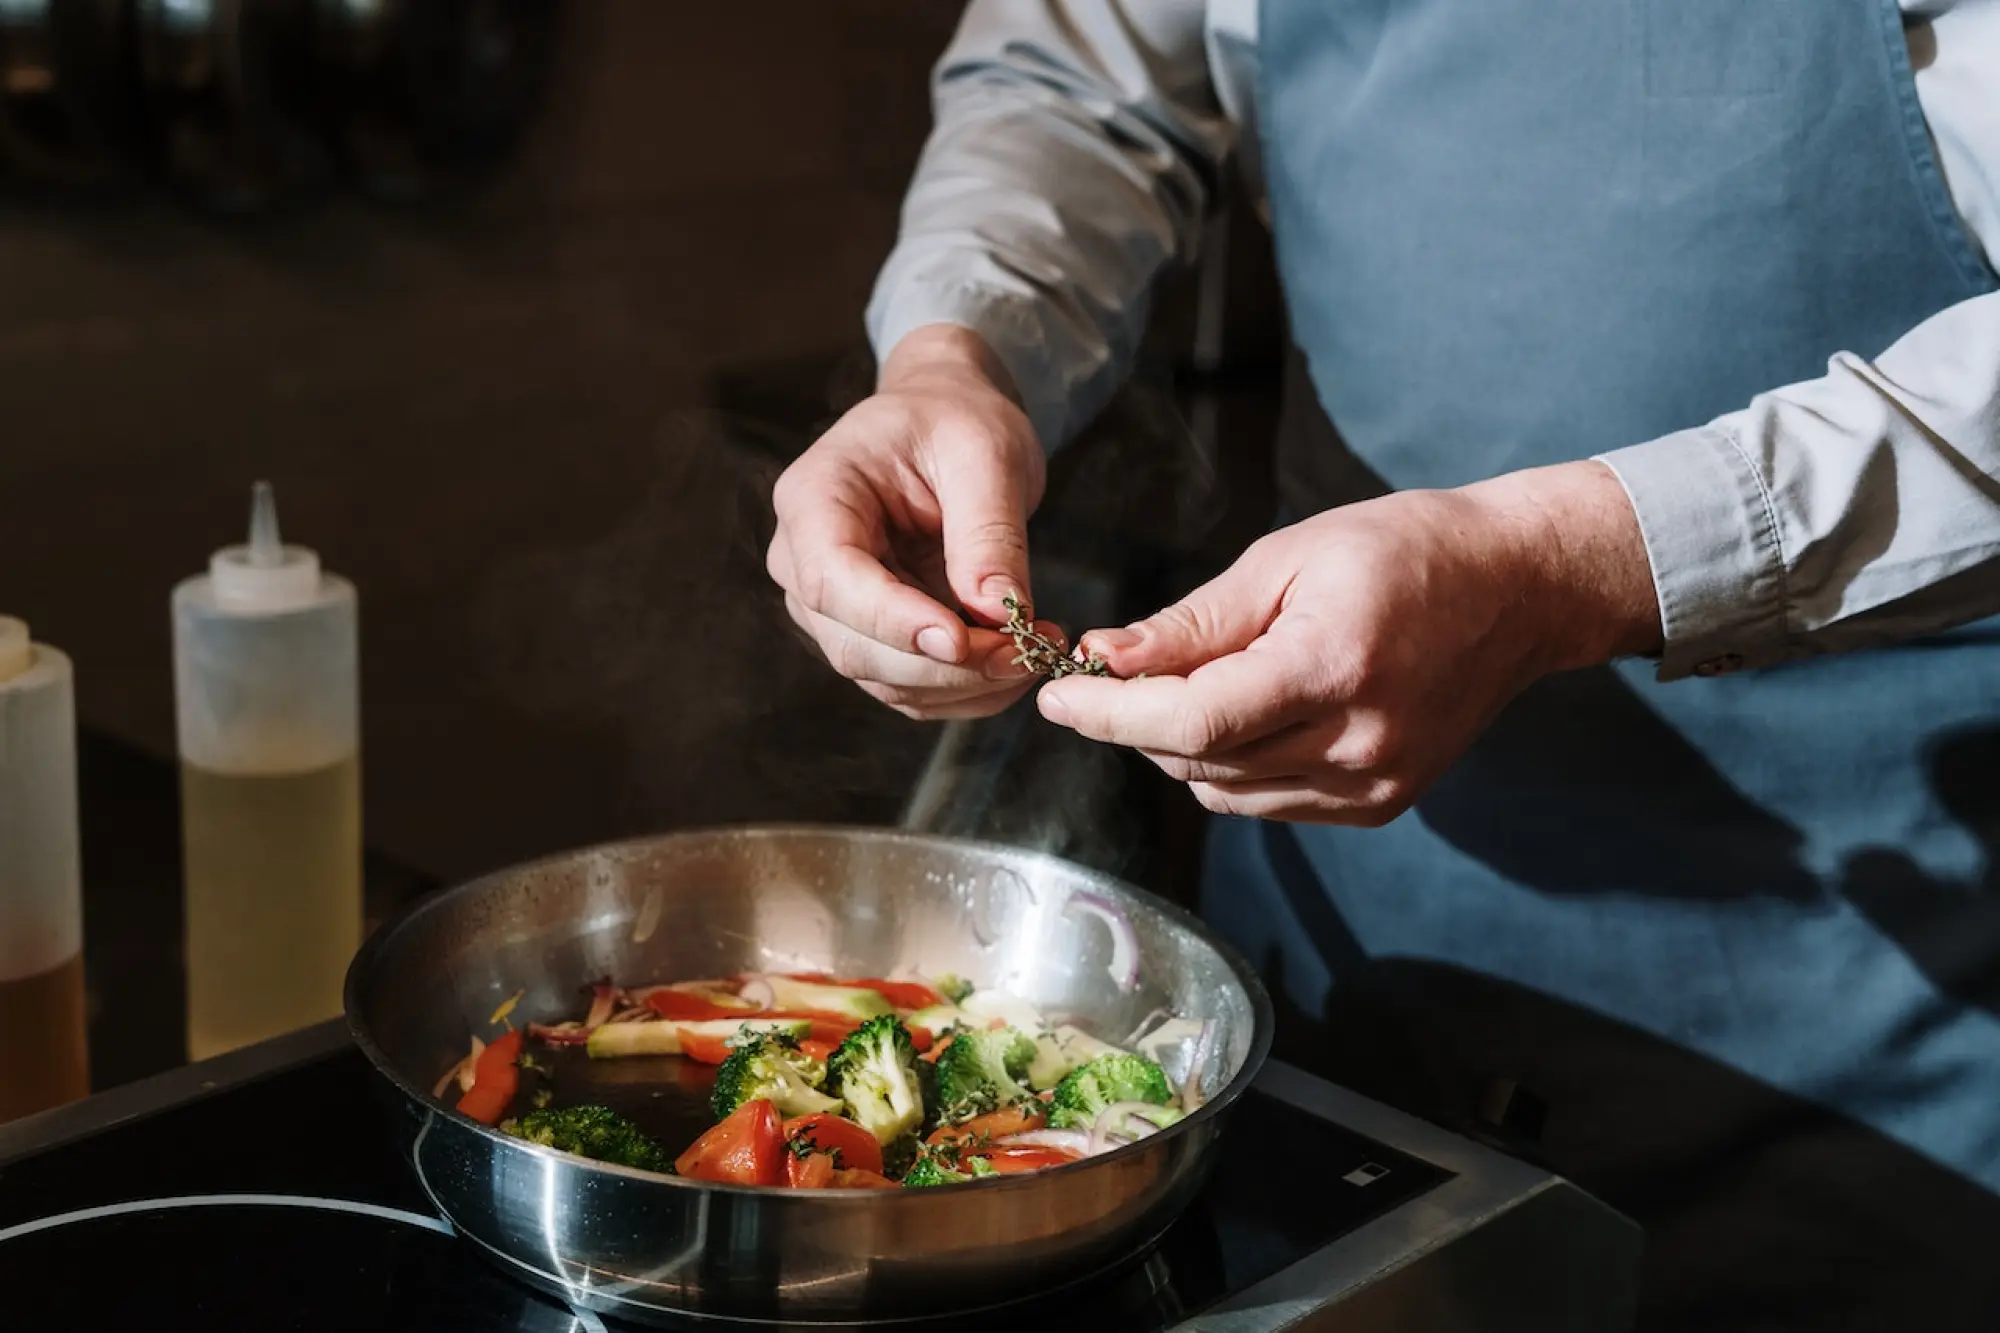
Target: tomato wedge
{"x": 495, "y": 1079}
{"x": 818, "y": 1050}
{"x": 921, "y": 1038}
{"x": 855, "y": 1179}
{"x": 814, "y": 1171}
{"x": 993, "y": 1125}
{"x": 855, "y": 1146}
{"x": 1015, "y": 1161}
{"x": 686, "y": 1008}
{"x": 708, "y": 1050}
{"x": 746, "y": 1149}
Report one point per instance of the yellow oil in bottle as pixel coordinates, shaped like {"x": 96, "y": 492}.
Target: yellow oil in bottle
{"x": 273, "y": 899}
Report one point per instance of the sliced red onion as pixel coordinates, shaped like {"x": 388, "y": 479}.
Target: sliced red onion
{"x": 560, "y": 1034}
{"x": 757, "y": 990}
{"x": 460, "y": 1073}
{"x": 1064, "y": 1140}
{"x": 1124, "y": 965}
{"x": 1119, "y": 1124}
{"x": 631, "y": 1015}
{"x": 467, "y": 1070}
{"x": 1192, "y": 1094}
{"x": 603, "y": 1002}
{"x": 1146, "y": 1025}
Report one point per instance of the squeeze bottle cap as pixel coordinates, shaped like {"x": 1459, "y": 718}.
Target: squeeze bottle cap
{"x": 17, "y": 651}
{"x": 264, "y": 574}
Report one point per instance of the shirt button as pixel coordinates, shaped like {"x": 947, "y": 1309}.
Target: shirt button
{"x": 1720, "y": 666}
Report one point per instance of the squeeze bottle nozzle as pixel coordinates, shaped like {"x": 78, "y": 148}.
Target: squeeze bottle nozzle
{"x": 264, "y": 574}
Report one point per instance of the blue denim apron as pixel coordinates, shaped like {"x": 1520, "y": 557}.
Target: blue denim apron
{"x": 1741, "y": 933}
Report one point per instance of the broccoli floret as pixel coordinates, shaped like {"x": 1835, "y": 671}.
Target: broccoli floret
{"x": 952, "y": 987}
{"x": 934, "y": 1169}
{"x": 597, "y": 1132}
{"x": 875, "y": 1072}
{"x": 1092, "y": 1087}
{"x": 772, "y": 1068}
{"x": 982, "y": 1070}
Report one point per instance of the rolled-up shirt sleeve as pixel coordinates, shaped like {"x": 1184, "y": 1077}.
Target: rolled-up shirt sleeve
{"x": 1074, "y": 154}
{"x": 1841, "y": 513}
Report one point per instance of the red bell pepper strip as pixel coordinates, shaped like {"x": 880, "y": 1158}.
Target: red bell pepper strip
{"x": 495, "y": 1079}
{"x": 685, "y": 1008}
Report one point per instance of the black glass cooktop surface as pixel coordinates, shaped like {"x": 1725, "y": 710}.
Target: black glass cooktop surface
{"x": 282, "y": 1204}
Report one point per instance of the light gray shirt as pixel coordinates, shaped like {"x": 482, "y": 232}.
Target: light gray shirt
{"x": 1077, "y": 149}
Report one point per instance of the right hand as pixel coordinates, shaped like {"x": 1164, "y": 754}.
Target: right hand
{"x": 915, "y": 503}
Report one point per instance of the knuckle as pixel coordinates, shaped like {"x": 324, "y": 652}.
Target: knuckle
{"x": 1195, "y": 731}
{"x": 809, "y": 578}
{"x": 1384, "y": 801}
{"x": 850, "y": 657}
{"x": 785, "y": 491}
{"x": 1177, "y": 768}
{"x": 1369, "y": 748}
{"x": 1182, "y": 620}
{"x": 997, "y": 537}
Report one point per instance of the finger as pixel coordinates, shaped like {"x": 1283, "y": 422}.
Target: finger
{"x": 1223, "y": 616}
{"x": 1226, "y": 704}
{"x": 832, "y": 531}
{"x": 989, "y": 661}
{"x": 1293, "y": 753}
{"x": 941, "y": 710}
{"x": 984, "y": 503}
{"x": 1362, "y": 804}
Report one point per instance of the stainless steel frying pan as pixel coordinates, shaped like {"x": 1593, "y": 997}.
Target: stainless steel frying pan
{"x": 853, "y": 901}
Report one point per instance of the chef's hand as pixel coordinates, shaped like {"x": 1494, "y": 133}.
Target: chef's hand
{"x": 915, "y": 504}
{"x": 1342, "y": 664}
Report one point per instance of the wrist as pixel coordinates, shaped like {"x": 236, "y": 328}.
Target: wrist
{"x": 1579, "y": 561}
{"x": 944, "y": 353}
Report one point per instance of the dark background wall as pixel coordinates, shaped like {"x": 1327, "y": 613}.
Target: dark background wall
{"x": 531, "y": 421}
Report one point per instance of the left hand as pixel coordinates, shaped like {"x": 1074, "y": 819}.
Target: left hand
{"x": 1335, "y": 671}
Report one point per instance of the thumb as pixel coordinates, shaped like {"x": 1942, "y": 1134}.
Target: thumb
{"x": 1223, "y": 616}
{"x": 984, "y": 507}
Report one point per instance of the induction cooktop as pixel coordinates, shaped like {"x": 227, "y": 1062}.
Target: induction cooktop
{"x": 262, "y": 1190}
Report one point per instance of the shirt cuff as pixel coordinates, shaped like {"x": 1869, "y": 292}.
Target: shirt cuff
{"x": 1010, "y": 324}
{"x": 1712, "y": 539}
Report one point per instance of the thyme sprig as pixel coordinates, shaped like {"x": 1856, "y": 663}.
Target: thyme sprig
{"x": 1038, "y": 652}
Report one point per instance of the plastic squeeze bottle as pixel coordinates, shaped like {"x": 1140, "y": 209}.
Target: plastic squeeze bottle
{"x": 267, "y": 691}
{"x": 44, "y": 1051}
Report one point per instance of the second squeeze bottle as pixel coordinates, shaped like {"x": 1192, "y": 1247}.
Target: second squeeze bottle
{"x": 266, "y": 678}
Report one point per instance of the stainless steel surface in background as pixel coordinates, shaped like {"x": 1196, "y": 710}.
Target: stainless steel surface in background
{"x": 712, "y": 903}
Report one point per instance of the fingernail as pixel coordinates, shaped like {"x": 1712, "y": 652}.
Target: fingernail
{"x": 1053, "y": 708}
{"x": 1116, "y": 640}
{"x": 935, "y": 644}
{"x": 997, "y": 586}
